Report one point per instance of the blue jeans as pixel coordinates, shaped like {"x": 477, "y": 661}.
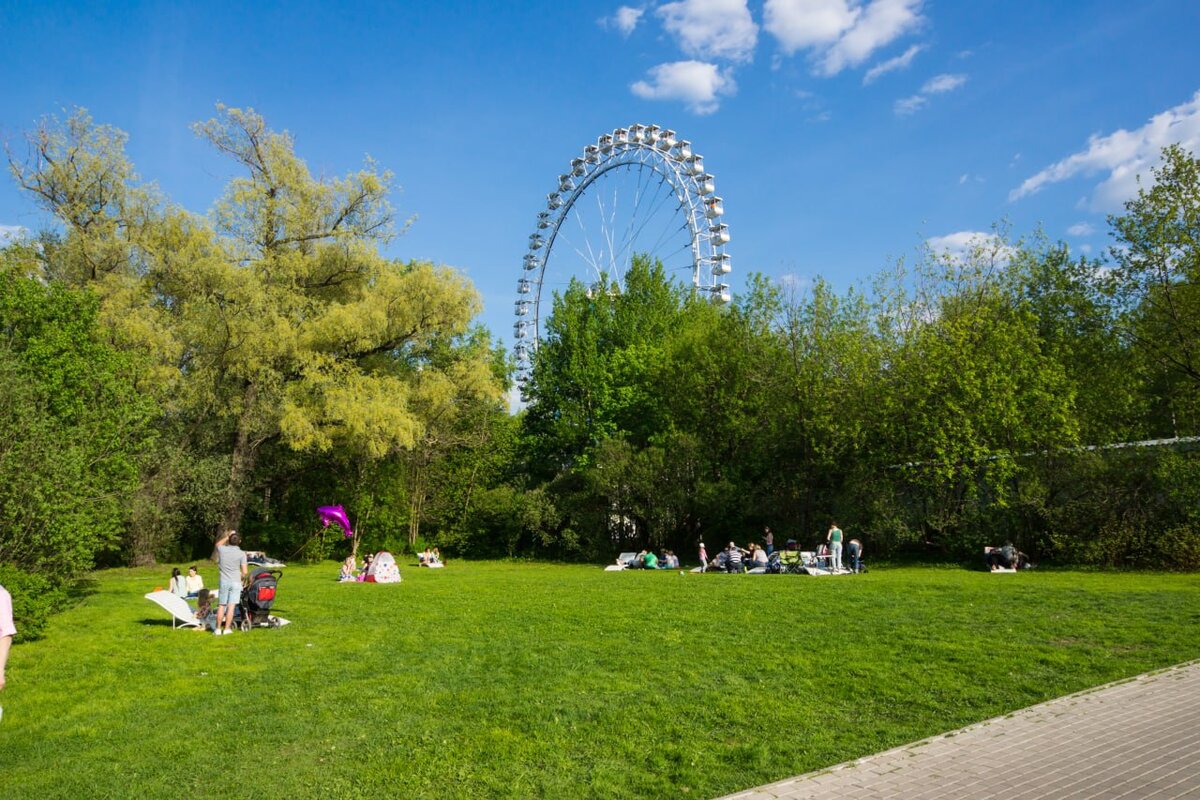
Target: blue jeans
{"x": 835, "y": 550}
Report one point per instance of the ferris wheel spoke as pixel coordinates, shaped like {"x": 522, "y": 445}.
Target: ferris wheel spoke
{"x": 628, "y": 246}
{"x": 637, "y": 204}
{"x": 631, "y": 234}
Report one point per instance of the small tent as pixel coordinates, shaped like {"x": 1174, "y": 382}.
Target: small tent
{"x": 383, "y": 569}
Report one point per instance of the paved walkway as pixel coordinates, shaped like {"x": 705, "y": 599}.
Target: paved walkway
{"x": 1138, "y": 738}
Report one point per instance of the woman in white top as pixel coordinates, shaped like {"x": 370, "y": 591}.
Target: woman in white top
{"x": 193, "y": 582}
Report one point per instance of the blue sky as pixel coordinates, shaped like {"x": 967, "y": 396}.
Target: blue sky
{"x": 842, "y": 133}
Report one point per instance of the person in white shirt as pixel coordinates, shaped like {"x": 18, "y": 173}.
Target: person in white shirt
{"x": 194, "y": 582}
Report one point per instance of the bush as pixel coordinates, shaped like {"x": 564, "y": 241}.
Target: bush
{"x": 35, "y": 599}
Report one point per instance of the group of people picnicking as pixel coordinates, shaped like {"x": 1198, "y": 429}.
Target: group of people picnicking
{"x": 648, "y": 560}
{"x": 759, "y": 557}
{"x": 352, "y": 572}
{"x": 765, "y": 558}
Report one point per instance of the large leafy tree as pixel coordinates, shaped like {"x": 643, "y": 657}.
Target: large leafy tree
{"x": 275, "y": 319}
{"x": 1155, "y": 284}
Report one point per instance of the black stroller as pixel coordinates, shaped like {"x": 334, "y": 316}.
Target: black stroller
{"x": 258, "y": 597}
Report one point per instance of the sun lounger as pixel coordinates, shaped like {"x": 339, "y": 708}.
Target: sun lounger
{"x": 181, "y": 613}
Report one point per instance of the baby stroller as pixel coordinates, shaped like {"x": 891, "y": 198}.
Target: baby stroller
{"x": 258, "y": 597}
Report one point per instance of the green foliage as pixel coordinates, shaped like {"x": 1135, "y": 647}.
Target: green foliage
{"x": 35, "y": 599}
{"x": 73, "y": 429}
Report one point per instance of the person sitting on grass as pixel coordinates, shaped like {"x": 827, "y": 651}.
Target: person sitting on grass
{"x": 437, "y": 556}
{"x": 649, "y": 560}
{"x": 758, "y": 557}
{"x": 1002, "y": 557}
{"x": 348, "y": 568}
{"x": 194, "y": 582}
{"x": 366, "y": 567}
{"x": 204, "y": 612}
{"x": 670, "y": 560}
{"x": 178, "y": 584}
{"x": 733, "y": 558}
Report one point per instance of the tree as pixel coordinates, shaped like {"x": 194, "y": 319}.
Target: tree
{"x": 73, "y": 427}
{"x": 1155, "y": 283}
{"x": 279, "y": 320}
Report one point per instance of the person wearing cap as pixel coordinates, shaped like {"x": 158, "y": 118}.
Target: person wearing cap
{"x": 703, "y": 558}
{"x": 7, "y": 630}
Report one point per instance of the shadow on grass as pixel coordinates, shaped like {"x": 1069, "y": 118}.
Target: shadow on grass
{"x": 82, "y": 589}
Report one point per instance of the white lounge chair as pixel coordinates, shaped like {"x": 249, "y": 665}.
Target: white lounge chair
{"x": 181, "y": 613}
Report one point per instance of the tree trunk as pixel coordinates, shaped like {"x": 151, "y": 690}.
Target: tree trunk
{"x": 416, "y": 504}
{"x": 245, "y": 454}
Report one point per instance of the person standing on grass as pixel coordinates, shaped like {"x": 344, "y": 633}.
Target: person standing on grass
{"x": 231, "y": 563}
{"x": 769, "y": 540}
{"x": 7, "y": 630}
{"x": 854, "y": 553}
{"x": 703, "y": 558}
{"x": 834, "y": 540}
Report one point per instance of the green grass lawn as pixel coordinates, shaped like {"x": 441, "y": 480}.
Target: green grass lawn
{"x": 516, "y": 680}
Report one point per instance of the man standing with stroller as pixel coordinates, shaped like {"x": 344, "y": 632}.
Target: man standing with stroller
{"x": 231, "y": 563}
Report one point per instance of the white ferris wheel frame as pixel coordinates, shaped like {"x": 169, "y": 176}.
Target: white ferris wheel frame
{"x": 640, "y": 146}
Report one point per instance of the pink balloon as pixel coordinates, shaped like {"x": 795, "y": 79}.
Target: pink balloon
{"x": 336, "y": 514}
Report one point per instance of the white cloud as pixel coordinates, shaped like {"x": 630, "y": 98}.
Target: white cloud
{"x": 960, "y": 246}
{"x": 940, "y": 84}
{"x": 711, "y": 28}
{"x": 841, "y": 33}
{"x": 909, "y": 105}
{"x": 799, "y": 24}
{"x": 1081, "y": 229}
{"x": 698, "y": 84}
{"x": 625, "y": 20}
{"x": 9, "y": 233}
{"x": 1086, "y": 249}
{"x": 794, "y": 282}
{"x": 878, "y": 24}
{"x": 1123, "y": 155}
{"x": 892, "y": 64}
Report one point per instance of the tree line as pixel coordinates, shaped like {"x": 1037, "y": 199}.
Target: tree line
{"x": 170, "y": 374}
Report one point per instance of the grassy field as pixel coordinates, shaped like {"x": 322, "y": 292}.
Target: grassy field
{"x": 515, "y": 680}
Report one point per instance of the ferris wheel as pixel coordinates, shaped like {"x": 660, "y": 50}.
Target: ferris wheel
{"x": 637, "y": 190}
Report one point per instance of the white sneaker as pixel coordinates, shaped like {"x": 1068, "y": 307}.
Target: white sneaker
{"x": 217, "y": 632}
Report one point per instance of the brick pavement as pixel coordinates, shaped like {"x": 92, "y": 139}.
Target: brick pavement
{"x": 1134, "y": 739}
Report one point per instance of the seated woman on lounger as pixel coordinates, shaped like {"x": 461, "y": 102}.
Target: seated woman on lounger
{"x": 194, "y": 582}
